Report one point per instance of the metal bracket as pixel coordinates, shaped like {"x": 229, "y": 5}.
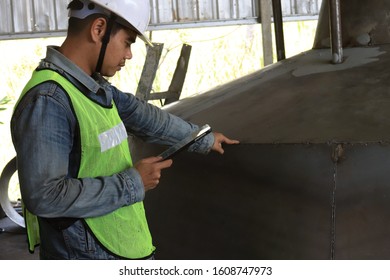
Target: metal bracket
{"x": 149, "y": 73}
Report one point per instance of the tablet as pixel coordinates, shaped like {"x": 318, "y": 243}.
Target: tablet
{"x": 186, "y": 142}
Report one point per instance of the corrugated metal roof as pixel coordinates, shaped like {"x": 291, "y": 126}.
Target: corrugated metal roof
{"x": 202, "y": 10}
{"x": 26, "y": 18}
{"x": 40, "y": 18}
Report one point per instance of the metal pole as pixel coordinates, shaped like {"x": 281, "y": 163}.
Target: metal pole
{"x": 278, "y": 22}
{"x": 335, "y": 31}
{"x": 265, "y": 19}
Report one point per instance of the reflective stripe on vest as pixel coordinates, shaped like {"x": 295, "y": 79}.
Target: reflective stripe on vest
{"x": 104, "y": 152}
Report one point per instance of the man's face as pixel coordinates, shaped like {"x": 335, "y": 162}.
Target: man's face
{"x": 118, "y": 51}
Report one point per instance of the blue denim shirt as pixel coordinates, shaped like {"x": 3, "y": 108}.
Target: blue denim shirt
{"x": 45, "y": 135}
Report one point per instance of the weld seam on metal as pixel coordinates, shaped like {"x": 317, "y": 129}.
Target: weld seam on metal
{"x": 333, "y": 215}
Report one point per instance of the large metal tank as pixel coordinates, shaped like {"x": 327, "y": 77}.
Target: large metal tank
{"x": 311, "y": 177}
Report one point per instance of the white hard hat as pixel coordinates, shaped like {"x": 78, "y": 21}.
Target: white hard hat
{"x": 132, "y": 13}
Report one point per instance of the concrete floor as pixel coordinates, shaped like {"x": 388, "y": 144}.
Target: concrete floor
{"x": 13, "y": 242}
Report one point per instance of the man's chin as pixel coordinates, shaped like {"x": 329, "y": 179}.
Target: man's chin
{"x": 108, "y": 74}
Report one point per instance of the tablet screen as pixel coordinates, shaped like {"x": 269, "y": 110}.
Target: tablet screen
{"x": 186, "y": 142}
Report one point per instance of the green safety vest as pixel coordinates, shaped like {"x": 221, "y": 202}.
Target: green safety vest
{"x": 104, "y": 152}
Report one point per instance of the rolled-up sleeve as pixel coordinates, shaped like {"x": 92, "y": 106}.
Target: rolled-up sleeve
{"x": 154, "y": 125}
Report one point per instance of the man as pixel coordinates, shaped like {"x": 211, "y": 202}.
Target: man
{"x": 69, "y": 129}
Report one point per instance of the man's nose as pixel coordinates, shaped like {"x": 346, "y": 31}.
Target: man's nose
{"x": 129, "y": 54}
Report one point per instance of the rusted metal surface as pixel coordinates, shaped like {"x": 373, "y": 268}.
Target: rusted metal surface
{"x": 274, "y": 201}
{"x": 304, "y": 99}
{"x": 362, "y": 202}
{"x": 256, "y": 202}
{"x": 310, "y": 178}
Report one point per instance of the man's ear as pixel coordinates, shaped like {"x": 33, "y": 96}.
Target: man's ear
{"x": 98, "y": 28}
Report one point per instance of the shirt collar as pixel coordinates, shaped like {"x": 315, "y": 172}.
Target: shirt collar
{"x": 58, "y": 62}
{"x": 62, "y": 62}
